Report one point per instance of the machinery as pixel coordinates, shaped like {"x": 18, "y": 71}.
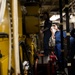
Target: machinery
{"x": 20, "y": 38}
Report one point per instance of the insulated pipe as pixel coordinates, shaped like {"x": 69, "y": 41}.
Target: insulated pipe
{"x": 68, "y": 35}
{"x": 61, "y": 29}
{"x": 16, "y": 41}
{"x": 2, "y": 9}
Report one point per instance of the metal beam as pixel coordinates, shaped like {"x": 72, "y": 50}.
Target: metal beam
{"x": 61, "y": 29}
{"x": 68, "y": 35}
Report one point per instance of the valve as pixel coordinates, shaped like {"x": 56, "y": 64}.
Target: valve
{"x": 0, "y": 54}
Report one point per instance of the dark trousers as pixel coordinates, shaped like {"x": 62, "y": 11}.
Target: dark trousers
{"x": 46, "y": 45}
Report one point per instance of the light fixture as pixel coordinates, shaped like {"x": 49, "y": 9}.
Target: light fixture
{"x": 71, "y": 16}
{"x": 55, "y": 17}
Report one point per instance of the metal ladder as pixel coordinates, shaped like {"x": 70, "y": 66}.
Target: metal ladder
{"x": 10, "y": 37}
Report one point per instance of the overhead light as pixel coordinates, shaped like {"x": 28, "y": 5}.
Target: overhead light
{"x": 71, "y": 16}
{"x": 54, "y": 17}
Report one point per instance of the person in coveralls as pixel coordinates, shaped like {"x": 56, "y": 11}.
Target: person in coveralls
{"x": 47, "y": 33}
{"x": 58, "y": 44}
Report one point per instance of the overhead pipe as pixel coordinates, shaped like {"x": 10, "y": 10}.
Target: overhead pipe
{"x": 69, "y": 5}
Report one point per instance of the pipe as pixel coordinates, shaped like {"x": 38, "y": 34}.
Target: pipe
{"x": 16, "y": 43}
{"x": 61, "y": 29}
{"x": 69, "y": 5}
{"x": 68, "y": 35}
{"x": 23, "y": 24}
{"x": 23, "y": 45}
{"x": 2, "y": 9}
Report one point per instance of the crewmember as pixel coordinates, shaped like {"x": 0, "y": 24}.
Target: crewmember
{"x": 47, "y": 33}
{"x": 58, "y": 43}
{"x": 72, "y": 52}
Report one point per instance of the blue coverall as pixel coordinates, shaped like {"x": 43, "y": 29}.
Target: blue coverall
{"x": 58, "y": 44}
